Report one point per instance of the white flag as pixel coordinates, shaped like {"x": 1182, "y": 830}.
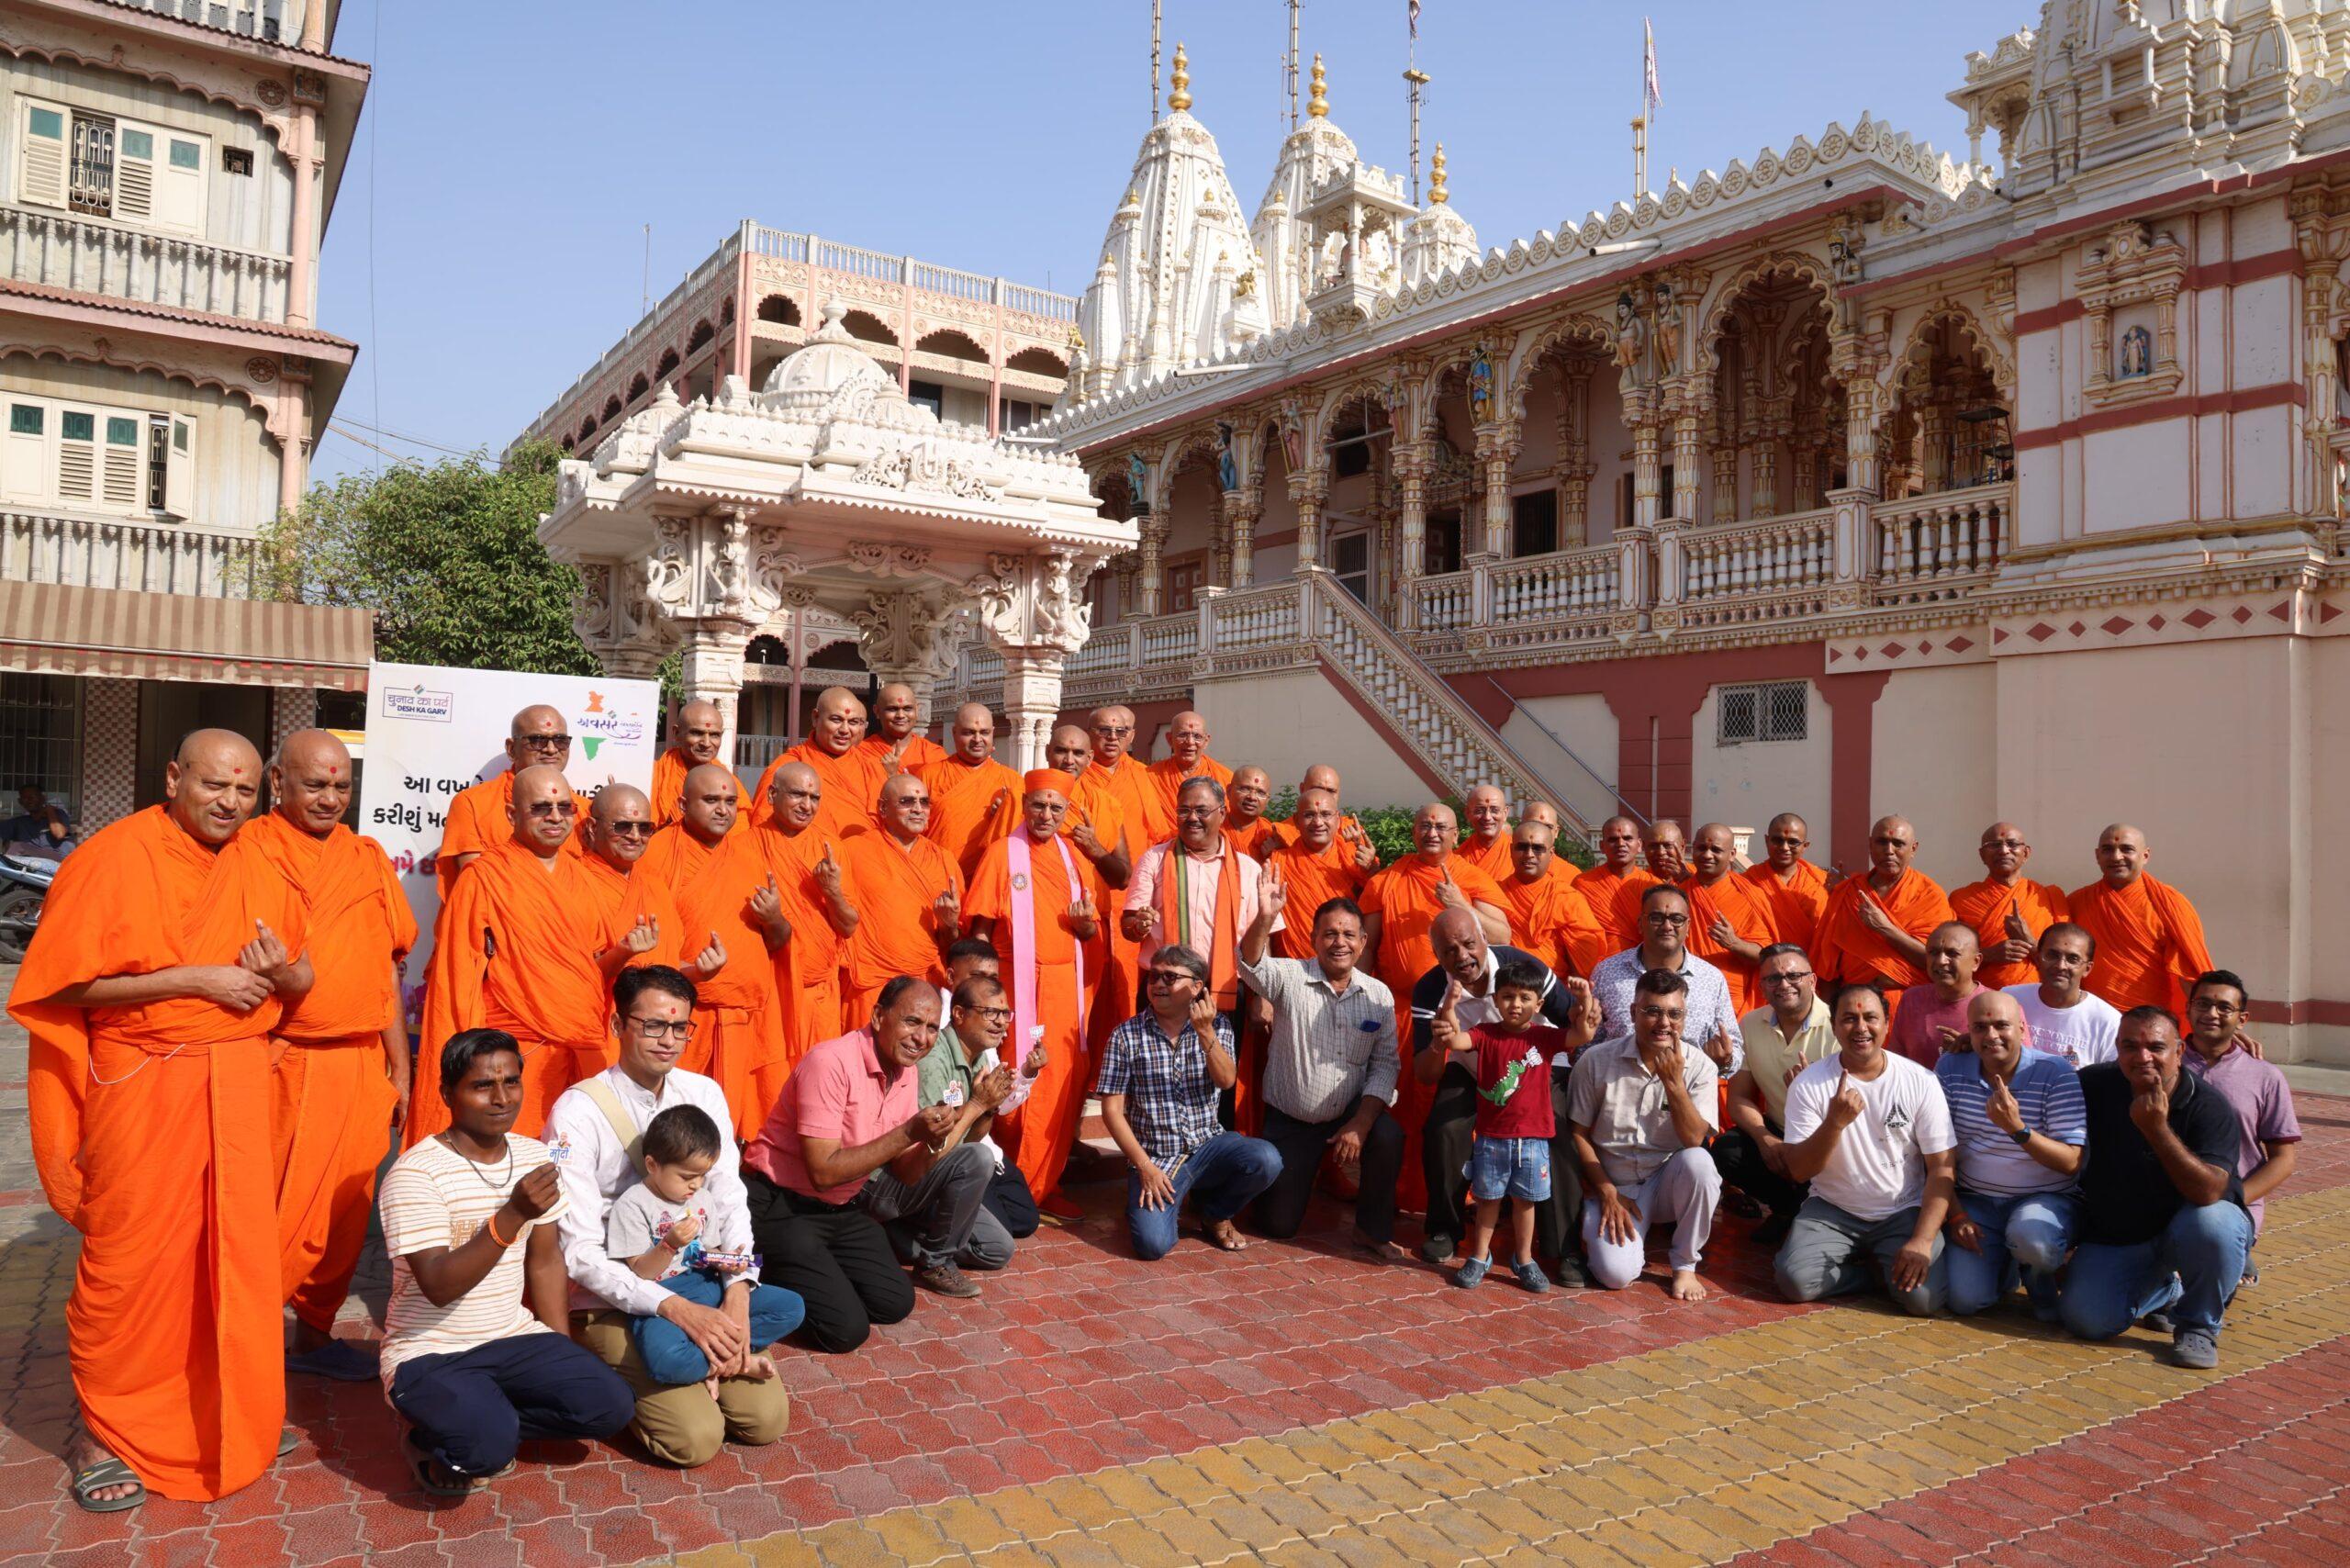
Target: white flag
{"x": 1650, "y": 95}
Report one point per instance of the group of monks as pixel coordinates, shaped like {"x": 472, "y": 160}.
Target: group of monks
{"x": 216, "y": 1008}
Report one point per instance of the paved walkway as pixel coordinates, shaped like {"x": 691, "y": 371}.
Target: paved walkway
{"x": 1296, "y": 1404}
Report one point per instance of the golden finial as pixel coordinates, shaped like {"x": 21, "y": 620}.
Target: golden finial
{"x": 1319, "y": 105}
{"x": 1438, "y": 195}
{"x": 1180, "y": 99}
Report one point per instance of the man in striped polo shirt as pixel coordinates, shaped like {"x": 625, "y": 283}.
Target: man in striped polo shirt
{"x": 2021, "y": 1127}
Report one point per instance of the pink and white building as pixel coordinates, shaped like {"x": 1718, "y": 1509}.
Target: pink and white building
{"x": 167, "y": 170}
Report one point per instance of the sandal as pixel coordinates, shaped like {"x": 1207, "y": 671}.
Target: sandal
{"x": 1225, "y": 1236}
{"x": 107, "y": 1472}
{"x": 438, "y": 1479}
{"x": 286, "y": 1440}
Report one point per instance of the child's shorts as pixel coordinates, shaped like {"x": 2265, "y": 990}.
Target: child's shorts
{"x": 1510, "y": 1167}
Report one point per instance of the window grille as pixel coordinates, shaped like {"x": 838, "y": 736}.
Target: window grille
{"x": 41, "y": 736}
{"x": 1745, "y": 715}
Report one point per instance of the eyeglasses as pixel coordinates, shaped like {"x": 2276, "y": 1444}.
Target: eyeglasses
{"x": 1794, "y": 978}
{"x": 2215, "y": 1007}
{"x": 553, "y": 809}
{"x": 1168, "y": 977}
{"x": 632, "y": 829}
{"x": 662, "y": 1028}
{"x": 1196, "y": 813}
{"x": 546, "y": 742}
{"x": 993, "y": 1014}
{"x": 1659, "y": 917}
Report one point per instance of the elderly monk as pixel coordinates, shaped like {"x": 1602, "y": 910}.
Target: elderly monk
{"x": 1729, "y": 917}
{"x": 1797, "y": 889}
{"x": 620, "y": 829}
{"x": 1350, "y": 834}
{"x": 2009, "y": 909}
{"x": 1604, "y": 886}
{"x": 909, "y": 897}
{"x": 702, "y": 735}
{"x": 342, "y": 1069}
{"x": 1548, "y": 916}
{"x": 1039, "y": 904}
{"x": 897, "y": 744}
{"x": 715, "y": 872}
{"x": 807, "y": 916}
{"x": 1244, "y": 821}
{"x": 1665, "y": 848}
{"x": 2149, "y": 938}
{"x": 1187, "y": 759}
{"x": 1114, "y": 767}
{"x": 849, "y": 780}
{"x": 974, "y": 798}
{"x": 480, "y": 814}
{"x": 163, "y": 960}
{"x": 1487, "y": 844}
{"x": 1874, "y": 928}
{"x": 1316, "y": 866}
{"x": 528, "y": 943}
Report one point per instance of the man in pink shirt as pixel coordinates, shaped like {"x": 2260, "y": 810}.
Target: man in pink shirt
{"x": 1195, "y": 890}
{"x": 847, "y": 1174}
{"x": 1931, "y": 1018}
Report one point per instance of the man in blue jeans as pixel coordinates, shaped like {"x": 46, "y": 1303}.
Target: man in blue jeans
{"x": 2164, "y": 1227}
{"x": 1161, "y": 1075}
{"x": 2017, "y": 1116}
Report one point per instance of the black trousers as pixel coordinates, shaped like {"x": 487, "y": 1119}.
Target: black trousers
{"x": 1281, "y": 1208}
{"x": 836, "y": 1256}
{"x": 1009, "y": 1199}
{"x": 469, "y": 1409}
{"x": 1740, "y": 1159}
{"x": 1445, "y": 1143}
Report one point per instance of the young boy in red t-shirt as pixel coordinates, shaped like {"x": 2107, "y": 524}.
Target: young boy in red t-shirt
{"x": 1510, "y": 1058}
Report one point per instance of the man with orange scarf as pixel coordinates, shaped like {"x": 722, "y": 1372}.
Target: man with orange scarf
{"x": 848, "y": 780}
{"x": 702, "y": 735}
{"x": 341, "y": 1075}
{"x": 1874, "y": 928}
{"x": 1797, "y": 889}
{"x": 480, "y": 817}
{"x": 156, "y": 977}
{"x": 974, "y": 798}
{"x": 1039, "y": 902}
{"x": 909, "y": 896}
{"x": 2149, "y": 937}
{"x": 1398, "y": 909}
{"x": 2008, "y": 910}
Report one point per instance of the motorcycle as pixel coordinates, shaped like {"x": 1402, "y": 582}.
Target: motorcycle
{"x": 24, "y": 883}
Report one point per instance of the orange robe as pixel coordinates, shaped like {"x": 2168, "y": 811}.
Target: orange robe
{"x": 738, "y": 1034}
{"x": 1168, "y": 776}
{"x": 480, "y": 818}
{"x": 1493, "y": 859}
{"x": 516, "y": 948}
{"x": 1404, "y": 897}
{"x": 669, "y": 788}
{"x": 334, "y": 1105}
{"x": 1038, "y": 1136}
{"x": 1604, "y": 890}
{"x": 920, "y": 753}
{"x": 1796, "y": 903}
{"x": 1256, "y": 840}
{"x": 1313, "y": 881}
{"x": 851, "y": 786}
{"x": 1986, "y": 905}
{"x": 2149, "y": 944}
{"x": 971, "y": 807}
{"x": 149, "y": 1128}
{"x": 1144, "y": 825}
{"x": 1748, "y": 910}
{"x": 1844, "y": 948}
{"x": 894, "y": 888}
{"x": 807, "y": 967}
{"x": 1550, "y": 919}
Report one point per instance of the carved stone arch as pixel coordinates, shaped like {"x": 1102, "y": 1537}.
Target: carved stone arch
{"x": 1452, "y": 357}
{"x": 1173, "y": 459}
{"x": 1571, "y": 332}
{"x": 1799, "y": 264}
{"x": 124, "y": 62}
{"x": 1956, "y": 313}
{"x": 1109, "y": 482}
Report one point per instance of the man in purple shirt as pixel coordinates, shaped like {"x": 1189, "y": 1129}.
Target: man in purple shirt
{"x": 2254, "y": 1089}
{"x": 1931, "y": 1018}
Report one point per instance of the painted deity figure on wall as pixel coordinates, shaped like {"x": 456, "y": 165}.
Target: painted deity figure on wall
{"x": 1227, "y": 467}
{"x": 1481, "y": 384}
{"x": 2137, "y": 352}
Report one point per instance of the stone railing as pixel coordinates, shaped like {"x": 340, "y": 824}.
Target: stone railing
{"x": 1938, "y": 546}
{"x": 1444, "y": 603}
{"x": 1557, "y": 587}
{"x": 271, "y": 21}
{"x": 128, "y": 553}
{"x": 1772, "y": 568}
{"x": 90, "y": 256}
{"x": 756, "y": 752}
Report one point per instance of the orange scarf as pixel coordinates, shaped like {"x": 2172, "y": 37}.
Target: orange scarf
{"x": 1175, "y": 917}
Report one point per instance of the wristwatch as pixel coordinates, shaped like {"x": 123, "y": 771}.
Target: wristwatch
{"x": 2023, "y": 1136}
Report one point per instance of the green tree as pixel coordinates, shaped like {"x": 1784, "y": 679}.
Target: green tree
{"x": 447, "y": 556}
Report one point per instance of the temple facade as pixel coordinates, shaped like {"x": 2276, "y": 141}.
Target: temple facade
{"x": 1851, "y": 478}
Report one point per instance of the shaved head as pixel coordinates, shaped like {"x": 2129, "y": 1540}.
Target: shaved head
{"x": 1620, "y": 843}
{"x": 544, "y": 810}
{"x": 1893, "y": 844}
{"x": 1187, "y": 737}
{"x": 539, "y": 734}
{"x": 1542, "y": 811}
{"x": 539, "y": 719}
{"x": 1316, "y": 819}
{"x": 309, "y": 781}
{"x": 1070, "y": 749}
{"x": 1488, "y": 811}
{"x": 711, "y": 801}
{"x": 839, "y": 722}
{"x": 793, "y": 796}
{"x": 896, "y": 711}
{"x": 2003, "y": 852}
{"x": 1249, "y": 791}
{"x": 1667, "y": 848}
{"x": 974, "y": 733}
{"x": 702, "y": 730}
{"x": 210, "y": 785}
{"x": 1321, "y": 776}
{"x": 1435, "y": 830}
{"x": 1711, "y": 852}
{"x": 1114, "y": 733}
{"x": 904, "y": 807}
{"x": 1785, "y": 841}
{"x": 2121, "y": 854}
{"x": 620, "y": 824}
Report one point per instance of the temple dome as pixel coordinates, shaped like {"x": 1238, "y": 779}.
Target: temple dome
{"x": 828, "y": 364}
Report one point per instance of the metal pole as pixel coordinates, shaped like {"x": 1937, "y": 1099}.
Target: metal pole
{"x": 1154, "y": 62}
{"x": 1418, "y": 79}
{"x": 1290, "y": 74}
{"x": 1639, "y": 157}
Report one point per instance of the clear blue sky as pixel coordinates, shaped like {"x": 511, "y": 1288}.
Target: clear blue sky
{"x": 512, "y": 150}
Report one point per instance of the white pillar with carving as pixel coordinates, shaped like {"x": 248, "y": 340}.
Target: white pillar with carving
{"x": 1035, "y": 615}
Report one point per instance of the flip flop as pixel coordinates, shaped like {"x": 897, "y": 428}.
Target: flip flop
{"x": 1225, "y": 1236}
{"x": 338, "y": 1359}
{"x": 107, "y": 1472}
{"x": 436, "y": 1479}
{"x": 286, "y": 1440}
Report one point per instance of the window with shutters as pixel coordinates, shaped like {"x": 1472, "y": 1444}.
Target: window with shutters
{"x": 77, "y": 457}
{"x": 110, "y": 167}
{"x": 1747, "y": 715}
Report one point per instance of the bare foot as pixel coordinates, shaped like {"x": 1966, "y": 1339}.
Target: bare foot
{"x": 1686, "y": 1286}
{"x": 761, "y": 1368}
{"x": 87, "y": 1450}
{"x": 1226, "y": 1236}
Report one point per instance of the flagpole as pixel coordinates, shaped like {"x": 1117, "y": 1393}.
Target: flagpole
{"x": 1418, "y": 79}
{"x": 1154, "y": 62}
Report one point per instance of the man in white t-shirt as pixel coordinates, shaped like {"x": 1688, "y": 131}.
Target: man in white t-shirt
{"x": 477, "y": 1355}
{"x": 1872, "y": 1133}
{"x": 2063, "y": 1019}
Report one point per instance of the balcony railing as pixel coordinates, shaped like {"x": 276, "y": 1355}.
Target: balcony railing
{"x": 1557, "y": 587}
{"x": 1938, "y": 546}
{"x": 271, "y": 21}
{"x": 130, "y": 554}
{"x": 93, "y": 256}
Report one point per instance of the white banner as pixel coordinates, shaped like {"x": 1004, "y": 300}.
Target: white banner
{"x": 432, "y": 731}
